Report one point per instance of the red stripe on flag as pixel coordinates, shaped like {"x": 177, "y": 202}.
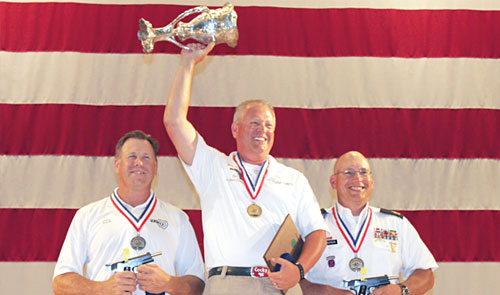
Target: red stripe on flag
{"x": 38, "y": 234}
{"x": 451, "y": 235}
{"x": 56, "y": 129}
{"x": 263, "y": 30}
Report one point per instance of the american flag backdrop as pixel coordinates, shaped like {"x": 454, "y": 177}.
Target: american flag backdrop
{"x": 414, "y": 85}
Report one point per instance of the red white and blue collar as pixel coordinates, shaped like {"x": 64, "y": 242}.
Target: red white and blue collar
{"x": 137, "y": 222}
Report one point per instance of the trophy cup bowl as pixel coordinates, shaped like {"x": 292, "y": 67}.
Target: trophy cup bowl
{"x": 212, "y": 25}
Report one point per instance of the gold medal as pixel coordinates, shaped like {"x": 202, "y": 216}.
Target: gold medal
{"x": 254, "y": 210}
{"x": 253, "y": 189}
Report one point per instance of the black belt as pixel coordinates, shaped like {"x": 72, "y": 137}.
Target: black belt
{"x": 236, "y": 271}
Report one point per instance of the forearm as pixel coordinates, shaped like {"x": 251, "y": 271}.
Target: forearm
{"x": 313, "y": 248}
{"x": 187, "y": 284}
{"x": 318, "y": 289}
{"x": 421, "y": 281}
{"x": 178, "y": 100}
{"x": 74, "y": 284}
{"x": 179, "y": 129}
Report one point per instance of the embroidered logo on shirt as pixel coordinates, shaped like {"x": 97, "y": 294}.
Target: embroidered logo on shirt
{"x": 163, "y": 224}
{"x": 237, "y": 171}
{"x": 234, "y": 174}
{"x": 277, "y": 180}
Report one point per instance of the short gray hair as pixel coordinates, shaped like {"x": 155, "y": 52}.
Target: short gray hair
{"x": 242, "y": 107}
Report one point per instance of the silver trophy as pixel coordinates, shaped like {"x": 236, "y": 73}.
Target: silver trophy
{"x": 217, "y": 25}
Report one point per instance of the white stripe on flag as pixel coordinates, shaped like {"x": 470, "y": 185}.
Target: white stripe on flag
{"x": 77, "y": 78}
{"x": 435, "y": 184}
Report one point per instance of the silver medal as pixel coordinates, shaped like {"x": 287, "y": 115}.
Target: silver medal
{"x": 356, "y": 264}
{"x": 138, "y": 243}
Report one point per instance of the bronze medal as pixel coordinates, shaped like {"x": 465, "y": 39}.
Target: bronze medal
{"x": 254, "y": 210}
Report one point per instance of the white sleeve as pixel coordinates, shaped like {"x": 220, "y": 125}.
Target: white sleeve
{"x": 309, "y": 216}
{"x": 415, "y": 253}
{"x": 73, "y": 255}
{"x": 205, "y": 164}
{"x": 188, "y": 260}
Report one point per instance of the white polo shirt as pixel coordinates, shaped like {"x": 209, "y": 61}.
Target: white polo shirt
{"x": 231, "y": 236}
{"x": 99, "y": 233}
{"x": 391, "y": 246}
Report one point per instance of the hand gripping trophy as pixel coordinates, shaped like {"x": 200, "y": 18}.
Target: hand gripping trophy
{"x": 218, "y": 25}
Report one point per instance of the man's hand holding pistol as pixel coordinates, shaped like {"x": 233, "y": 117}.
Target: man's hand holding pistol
{"x": 375, "y": 286}
{"x": 136, "y": 271}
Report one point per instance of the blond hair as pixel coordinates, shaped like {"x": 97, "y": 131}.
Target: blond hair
{"x": 242, "y": 107}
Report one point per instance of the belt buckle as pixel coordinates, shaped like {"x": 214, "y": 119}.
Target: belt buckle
{"x": 259, "y": 272}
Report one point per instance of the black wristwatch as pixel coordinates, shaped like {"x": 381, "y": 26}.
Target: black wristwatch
{"x": 301, "y": 270}
{"x": 404, "y": 290}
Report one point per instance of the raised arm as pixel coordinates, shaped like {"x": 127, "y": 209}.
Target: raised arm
{"x": 179, "y": 129}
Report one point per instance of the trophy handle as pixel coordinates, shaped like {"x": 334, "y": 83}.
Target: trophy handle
{"x": 188, "y": 12}
{"x": 168, "y": 29}
{"x": 171, "y": 39}
{"x": 148, "y": 35}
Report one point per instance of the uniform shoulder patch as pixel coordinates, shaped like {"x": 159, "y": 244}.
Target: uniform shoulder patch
{"x": 323, "y": 212}
{"x": 391, "y": 212}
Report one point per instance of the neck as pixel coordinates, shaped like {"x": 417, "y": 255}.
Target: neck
{"x": 133, "y": 197}
{"x": 355, "y": 208}
{"x": 257, "y": 160}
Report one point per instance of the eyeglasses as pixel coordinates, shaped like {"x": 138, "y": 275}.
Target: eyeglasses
{"x": 351, "y": 172}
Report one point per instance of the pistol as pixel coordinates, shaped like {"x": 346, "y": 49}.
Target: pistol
{"x": 368, "y": 285}
{"x": 132, "y": 263}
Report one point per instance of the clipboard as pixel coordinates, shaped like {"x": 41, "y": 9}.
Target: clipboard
{"x": 286, "y": 240}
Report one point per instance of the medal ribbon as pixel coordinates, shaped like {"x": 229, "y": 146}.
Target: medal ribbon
{"x": 136, "y": 222}
{"x": 369, "y": 217}
{"x": 253, "y": 190}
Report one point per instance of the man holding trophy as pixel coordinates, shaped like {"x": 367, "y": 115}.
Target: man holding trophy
{"x": 244, "y": 196}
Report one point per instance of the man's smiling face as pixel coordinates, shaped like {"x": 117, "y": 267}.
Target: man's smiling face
{"x": 137, "y": 165}
{"x": 254, "y": 134}
{"x": 353, "y": 180}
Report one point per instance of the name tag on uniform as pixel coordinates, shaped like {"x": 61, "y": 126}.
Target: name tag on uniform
{"x": 330, "y": 242}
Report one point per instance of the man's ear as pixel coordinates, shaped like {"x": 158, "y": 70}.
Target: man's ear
{"x": 234, "y": 129}
{"x": 332, "y": 181}
{"x": 156, "y": 168}
{"x": 115, "y": 164}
